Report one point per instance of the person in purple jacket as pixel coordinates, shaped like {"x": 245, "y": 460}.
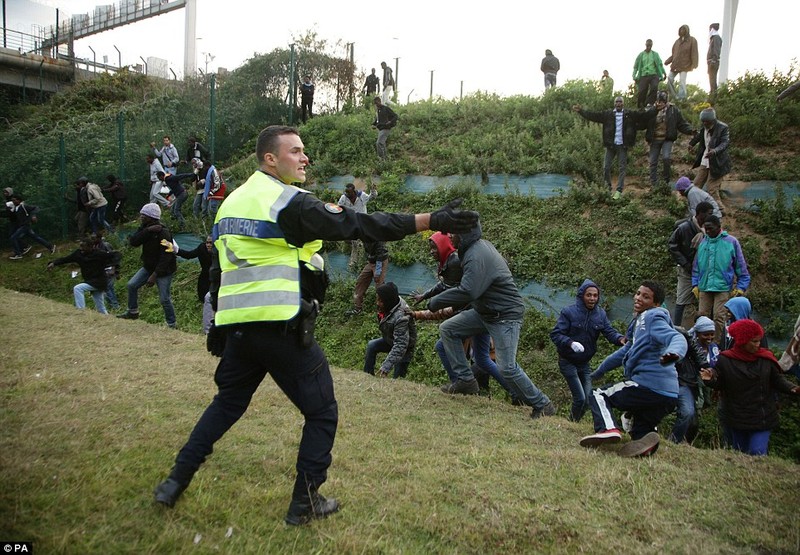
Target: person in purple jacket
{"x": 575, "y": 336}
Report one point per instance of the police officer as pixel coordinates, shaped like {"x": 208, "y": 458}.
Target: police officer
{"x": 267, "y": 282}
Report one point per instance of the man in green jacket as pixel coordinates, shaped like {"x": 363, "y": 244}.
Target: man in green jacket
{"x": 648, "y": 70}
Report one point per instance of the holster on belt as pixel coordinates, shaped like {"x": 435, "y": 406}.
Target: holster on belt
{"x": 309, "y": 310}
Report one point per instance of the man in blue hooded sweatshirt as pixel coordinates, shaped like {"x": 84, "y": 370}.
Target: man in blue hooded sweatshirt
{"x": 497, "y": 309}
{"x": 575, "y": 336}
{"x": 650, "y": 389}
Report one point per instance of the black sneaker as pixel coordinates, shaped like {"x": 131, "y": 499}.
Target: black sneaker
{"x": 313, "y": 506}
{"x": 548, "y": 410}
{"x": 462, "y": 387}
{"x": 168, "y": 492}
{"x": 26, "y": 250}
{"x": 128, "y": 315}
{"x": 642, "y": 447}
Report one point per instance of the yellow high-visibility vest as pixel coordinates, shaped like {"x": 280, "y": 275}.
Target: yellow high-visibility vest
{"x": 260, "y": 271}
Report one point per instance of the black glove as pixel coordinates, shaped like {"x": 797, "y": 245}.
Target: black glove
{"x": 215, "y": 340}
{"x": 449, "y": 220}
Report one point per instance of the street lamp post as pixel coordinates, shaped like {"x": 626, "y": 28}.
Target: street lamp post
{"x": 94, "y": 59}
{"x": 431, "y": 96}
{"x": 119, "y": 54}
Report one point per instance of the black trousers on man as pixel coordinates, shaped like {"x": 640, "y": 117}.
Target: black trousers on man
{"x": 252, "y": 351}
{"x": 306, "y": 104}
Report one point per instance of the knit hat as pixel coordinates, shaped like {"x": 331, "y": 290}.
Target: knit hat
{"x": 151, "y": 210}
{"x": 683, "y": 183}
{"x": 388, "y": 294}
{"x": 8, "y": 191}
{"x": 743, "y": 331}
{"x": 703, "y": 324}
{"x": 708, "y": 115}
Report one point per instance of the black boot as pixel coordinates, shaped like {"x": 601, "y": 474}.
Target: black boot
{"x": 306, "y": 507}
{"x": 168, "y": 492}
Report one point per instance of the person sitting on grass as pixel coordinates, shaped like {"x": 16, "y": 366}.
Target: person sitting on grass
{"x": 748, "y": 375}
{"x": 93, "y": 263}
{"x": 649, "y": 391}
{"x": 575, "y": 336}
{"x": 398, "y": 334}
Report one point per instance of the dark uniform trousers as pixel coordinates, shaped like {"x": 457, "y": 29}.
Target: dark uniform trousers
{"x": 252, "y": 351}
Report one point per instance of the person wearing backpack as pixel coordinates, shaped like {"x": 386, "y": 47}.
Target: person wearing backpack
{"x": 25, "y": 217}
{"x": 683, "y": 247}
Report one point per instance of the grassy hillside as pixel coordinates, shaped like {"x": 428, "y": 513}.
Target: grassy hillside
{"x": 94, "y": 410}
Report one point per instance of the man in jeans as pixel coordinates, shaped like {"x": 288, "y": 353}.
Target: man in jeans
{"x": 619, "y": 134}
{"x": 498, "y": 310}
{"x": 158, "y": 264}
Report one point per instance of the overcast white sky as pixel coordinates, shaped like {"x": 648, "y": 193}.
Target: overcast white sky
{"x": 492, "y": 46}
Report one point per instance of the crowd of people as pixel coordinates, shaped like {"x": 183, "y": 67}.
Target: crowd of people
{"x": 263, "y": 283}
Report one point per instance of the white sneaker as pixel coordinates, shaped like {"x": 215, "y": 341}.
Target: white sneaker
{"x": 605, "y": 436}
{"x": 627, "y": 421}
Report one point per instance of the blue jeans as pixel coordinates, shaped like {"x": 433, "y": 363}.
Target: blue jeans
{"x": 177, "y": 205}
{"x": 213, "y": 206}
{"x": 111, "y": 295}
{"x": 505, "y": 334}
{"x": 662, "y": 149}
{"x": 97, "y": 218}
{"x": 480, "y": 352}
{"x": 199, "y": 206}
{"x": 26, "y": 231}
{"x": 164, "y": 284}
{"x": 687, "y": 416}
{"x": 752, "y": 442}
{"x": 380, "y": 345}
{"x": 621, "y": 153}
{"x": 97, "y": 296}
{"x": 580, "y": 386}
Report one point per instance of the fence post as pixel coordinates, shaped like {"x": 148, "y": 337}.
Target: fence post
{"x": 292, "y": 87}
{"x": 62, "y": 179}
{"x": 213, "y": 118}
{"x": 121, "y": 142}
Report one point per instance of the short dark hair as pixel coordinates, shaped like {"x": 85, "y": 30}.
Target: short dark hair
{"x": 350, "y": 186}
{"x": 17, "y": 196}
{"x": 161, "y": 175}
{"x": 712, "y": 219}
{"x": 659, "y": 293}
{"x": 703, "y": 207}
{"x": 111, "y": 178}
{"x": 268, "y": 139}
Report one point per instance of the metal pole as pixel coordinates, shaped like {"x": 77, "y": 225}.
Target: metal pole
{"x": 121, "y": 143}
{"x": 119, "y": 56}
{"x": 213, "y": 119}
{"x": 145, "y": 64}
{"x": 431, "y": 96}
{"x": 57, "y": 32}
{"x": 62, "y": 180}
{"x": 461, "y": 94}
{"x": 94, "y": 54}
{"x": 396, "y": 73}
{"x": 352, "y": 73}
{"x": 41, "y": 80}
{"x": 5, "y": 44}
{"x": 292, "y": 86}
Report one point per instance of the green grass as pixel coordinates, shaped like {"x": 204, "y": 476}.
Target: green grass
{"x": 94, "y": 409}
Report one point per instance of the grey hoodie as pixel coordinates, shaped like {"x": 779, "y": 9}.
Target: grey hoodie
{"x": 487, "y": 283}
